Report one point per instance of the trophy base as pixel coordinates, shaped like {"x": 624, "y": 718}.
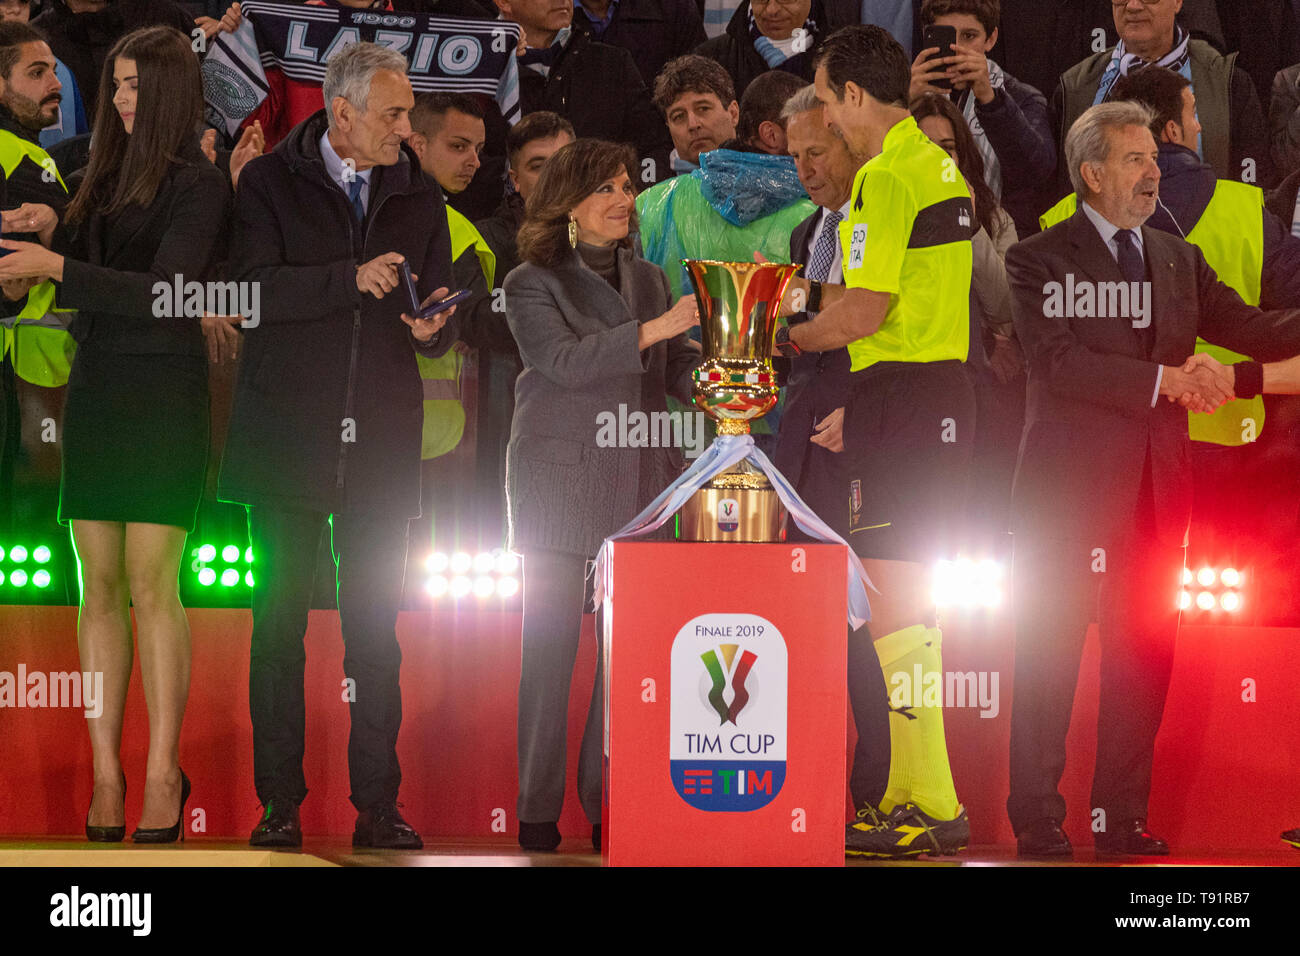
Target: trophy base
{"x": 737, "y": 505}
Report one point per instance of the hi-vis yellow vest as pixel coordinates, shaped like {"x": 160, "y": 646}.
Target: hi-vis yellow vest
{"x": 37, "y": 337}
{"x": 444, "y": 415}
{"x": 1230, "y": 234}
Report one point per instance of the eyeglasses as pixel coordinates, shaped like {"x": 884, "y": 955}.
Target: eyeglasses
{"x": 1119, "y": 3}
{"x": 788, "y": 4}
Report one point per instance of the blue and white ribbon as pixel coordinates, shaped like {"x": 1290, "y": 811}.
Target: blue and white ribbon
{"x": 728, "y": 450}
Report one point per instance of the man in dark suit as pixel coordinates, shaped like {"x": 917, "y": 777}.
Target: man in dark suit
{"x": 1107, "y": 311}
{"x": 818, "y": 384}
{"x": 327, "y": 419}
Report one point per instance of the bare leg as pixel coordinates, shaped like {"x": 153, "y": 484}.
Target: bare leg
{"x": 153, "y": 556}
{"x": 104, "y": 639}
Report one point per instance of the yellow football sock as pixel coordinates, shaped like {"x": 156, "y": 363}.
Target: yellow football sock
{"x": 918, "y": 753}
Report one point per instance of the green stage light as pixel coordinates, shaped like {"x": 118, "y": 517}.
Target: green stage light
{"x": 18, "y": 554}
{"x": 248, "y": 555}
{"x": 18, "y": 578}
{"x": 41, "y": 554}
{"x": 2, "y": 577}
{"x": 248, "y": 578}
{"x": 2, "y": 554}
{"x": 229, "y": 577}
{"x": 207, "y": 552}
{"x": 207, "y": 576}
{"x": 41, "y": 578}
{"x": 230, "y": 554}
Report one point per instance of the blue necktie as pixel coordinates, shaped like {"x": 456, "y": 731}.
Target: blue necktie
{"x": 1131, "y": 267}
{"x": 354, "y": 193}
{"x": 1130, "y": 260}
{"x": 823, "y": 254}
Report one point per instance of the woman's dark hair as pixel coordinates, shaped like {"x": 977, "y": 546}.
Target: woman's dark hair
{"x": 570, "y": 176}
{"x": 126, "y": 168}
{"x": 969, "y": 161}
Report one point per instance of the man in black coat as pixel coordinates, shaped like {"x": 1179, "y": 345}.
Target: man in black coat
{"x": 653, "y": 31}
{"x": 327, "y": 419}
{"x": 1103, "y": 488}
{"x": 595, "y": 86}
{"x": 768, "y": 36}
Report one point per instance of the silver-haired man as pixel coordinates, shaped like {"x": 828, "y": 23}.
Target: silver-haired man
{"x": 327, "y": 419}
{"x": 1108, "y": 311}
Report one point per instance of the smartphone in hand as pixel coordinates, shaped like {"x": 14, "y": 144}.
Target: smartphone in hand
{"x": 945, "y": 38}
{"x": 413, "y": 297}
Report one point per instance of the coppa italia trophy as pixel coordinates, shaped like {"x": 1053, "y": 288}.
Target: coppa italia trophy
{"x": 739, "y": 305}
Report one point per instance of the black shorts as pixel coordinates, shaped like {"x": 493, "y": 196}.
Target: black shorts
{"x": 909, "y": 431}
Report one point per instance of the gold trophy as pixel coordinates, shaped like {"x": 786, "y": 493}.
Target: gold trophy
{"x": 739, "y": 304}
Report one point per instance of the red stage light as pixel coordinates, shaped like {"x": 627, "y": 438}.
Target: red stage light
{"x": 1205, "y": 600}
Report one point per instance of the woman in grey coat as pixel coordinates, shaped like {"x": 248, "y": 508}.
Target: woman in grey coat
{"x": 597, "y": 329}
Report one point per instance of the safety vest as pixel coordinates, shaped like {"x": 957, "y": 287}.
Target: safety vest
{"x": 1230, "y": 234}
{"x": 37, "y": 337}
{"x": 444, "y": 415}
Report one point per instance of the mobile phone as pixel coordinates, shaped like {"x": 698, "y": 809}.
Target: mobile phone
{"x": 413, "y": 297}
{"x": 945, "y": 38}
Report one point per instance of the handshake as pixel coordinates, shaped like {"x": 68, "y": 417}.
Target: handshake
{"x": 1201, "y": 383}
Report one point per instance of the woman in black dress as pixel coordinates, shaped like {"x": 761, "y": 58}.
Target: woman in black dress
{"x": 150, "y": 212}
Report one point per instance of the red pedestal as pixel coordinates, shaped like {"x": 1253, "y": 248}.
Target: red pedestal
{"x": 725, "y": 704}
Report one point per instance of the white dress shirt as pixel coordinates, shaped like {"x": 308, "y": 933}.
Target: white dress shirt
{"x": 335, "y": 168}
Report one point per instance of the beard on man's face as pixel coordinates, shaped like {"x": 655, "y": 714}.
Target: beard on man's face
{"x": 29, "y": 112}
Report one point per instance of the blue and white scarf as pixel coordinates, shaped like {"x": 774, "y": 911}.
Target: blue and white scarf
{"x": 1123, "y": 62}
{"x": 448, "y": 55}
{"x": 992, "y": 168}
{"x": 772, "y": 54}
{"x": 541, "y": 60}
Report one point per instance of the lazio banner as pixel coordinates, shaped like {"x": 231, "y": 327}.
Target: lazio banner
{"x": 449, "y": 55}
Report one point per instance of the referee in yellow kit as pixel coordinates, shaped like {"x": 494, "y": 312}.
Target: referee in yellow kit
{"x": 908, "y": 424}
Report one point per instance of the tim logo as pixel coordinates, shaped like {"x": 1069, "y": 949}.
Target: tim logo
{"x": 728, "y": 514}
{"x": 727, "y": 748}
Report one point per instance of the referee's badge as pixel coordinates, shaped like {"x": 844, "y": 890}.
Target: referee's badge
{"x": 857, "y": 245}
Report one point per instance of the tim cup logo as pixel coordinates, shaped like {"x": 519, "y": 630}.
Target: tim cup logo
{"x": 727, "y": 749}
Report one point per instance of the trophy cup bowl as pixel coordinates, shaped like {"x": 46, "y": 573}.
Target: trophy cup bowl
{"x": 739, "y": 305}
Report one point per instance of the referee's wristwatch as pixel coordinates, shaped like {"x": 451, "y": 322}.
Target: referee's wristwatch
{"x": 784, "y": 345}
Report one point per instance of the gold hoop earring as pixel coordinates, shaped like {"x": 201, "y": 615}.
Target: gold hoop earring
{"x": 573, "y": 232}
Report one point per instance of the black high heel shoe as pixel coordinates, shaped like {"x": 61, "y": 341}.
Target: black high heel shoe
{"x": 107, "y": 834}
{"x": 167, "y": 834}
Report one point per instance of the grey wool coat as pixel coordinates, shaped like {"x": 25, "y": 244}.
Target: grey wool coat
{"x": 578, "y": 339}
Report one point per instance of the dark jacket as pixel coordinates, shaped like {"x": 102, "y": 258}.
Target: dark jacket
{"x": 82, "y": 40}
{"x": 1186, "y": 187}
{"x": 653, "y": 31}
{"x": 113, "y": 263}
{"x": 1284, "y": 120}
{"x": 1043, "y": 37}
{"x": 1019, "y": 127}
{"x": 1233, "y": 130}
{"x": 578, "y": 338}
{"x": 735, "y": 49}
{"x": 328, "y": 407}
{"x": 1265, "y": 32}
{"x": 597, "y": 88}
{"x": 499, "y": 232}
{"x": 1090, "y": 425}
{"x": 818, "y": 384}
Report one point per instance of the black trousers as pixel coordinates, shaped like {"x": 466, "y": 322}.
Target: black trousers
{"x": 1059, "y": 588}
{"x": 370, "y": 558}
{"x": 554, "y": 590}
